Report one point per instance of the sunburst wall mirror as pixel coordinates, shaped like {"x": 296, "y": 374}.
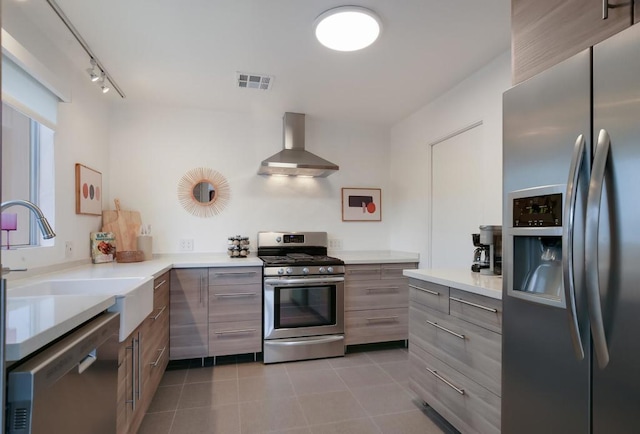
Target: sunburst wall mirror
{"x": 203, "y": 192}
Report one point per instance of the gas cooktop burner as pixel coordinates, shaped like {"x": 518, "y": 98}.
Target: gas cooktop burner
{"x": 301, "y": 259}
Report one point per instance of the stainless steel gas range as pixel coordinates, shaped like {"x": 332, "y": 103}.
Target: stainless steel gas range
{"x": 303, "y": 297}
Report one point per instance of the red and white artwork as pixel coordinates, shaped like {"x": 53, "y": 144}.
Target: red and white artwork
{"x": 88, "y": 191}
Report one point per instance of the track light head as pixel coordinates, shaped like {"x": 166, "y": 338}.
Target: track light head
{"x": 92, "y": 71}
{"x": 103, "y": 84}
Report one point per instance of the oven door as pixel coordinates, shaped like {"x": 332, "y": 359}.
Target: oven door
{"x": 303, "y": 306}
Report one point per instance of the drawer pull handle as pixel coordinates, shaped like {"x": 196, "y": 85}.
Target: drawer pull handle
{"x": 154, "y": 364}
{"x": 385, "y": 288}
{"x": 229, "y": 332}
{"x": 363, "y": 271}
{"x": 383, "y": 318}
{"x": 237, "y": 294}
{"x": 160, "y": 284}
{"x": 236, "y": 274}
{"x": 445, "y": 381}
{"x": 479, "y": 306}
{"x": 438, "y": 326}
{"x": 159, "y": 313}
{"x": 428, "y": 291}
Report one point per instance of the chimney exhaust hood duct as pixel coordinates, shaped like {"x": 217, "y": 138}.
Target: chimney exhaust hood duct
{"x": 294, "y": 160}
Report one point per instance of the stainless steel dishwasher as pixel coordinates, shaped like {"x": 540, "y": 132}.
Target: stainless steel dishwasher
{"x": 69, "y": 387}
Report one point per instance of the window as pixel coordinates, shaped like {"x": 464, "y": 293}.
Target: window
{"x": 27, "y": 173}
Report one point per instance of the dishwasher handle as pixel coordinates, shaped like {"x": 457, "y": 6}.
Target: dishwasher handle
{"x": 89, "y": 360}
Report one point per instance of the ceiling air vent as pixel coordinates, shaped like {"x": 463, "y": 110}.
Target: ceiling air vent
{"x": 254, "y": 81}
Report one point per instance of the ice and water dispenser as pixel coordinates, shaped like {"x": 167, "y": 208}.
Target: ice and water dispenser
{"x": 534, "y": 244}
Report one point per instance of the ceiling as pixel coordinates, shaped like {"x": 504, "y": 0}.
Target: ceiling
{"x": 187, "y": 52}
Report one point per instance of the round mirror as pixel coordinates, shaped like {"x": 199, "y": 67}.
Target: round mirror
{"x": 203, "y": 192}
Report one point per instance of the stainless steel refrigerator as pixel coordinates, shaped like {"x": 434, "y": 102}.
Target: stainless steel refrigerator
{"x": 571, "y": 240}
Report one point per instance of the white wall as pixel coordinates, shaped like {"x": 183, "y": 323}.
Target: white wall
{"x": 152, "y": 147}
{"x": 81, "y": 137}
{"x": 479, "y": 97}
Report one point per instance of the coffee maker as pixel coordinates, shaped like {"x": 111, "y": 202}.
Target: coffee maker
{"x": 487, "y": 257}
{"x": 480, "y": 255}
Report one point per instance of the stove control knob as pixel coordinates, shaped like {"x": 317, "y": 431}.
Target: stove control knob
{"x": 278, "y": 239}
{"x": 330, "y": 269}
{"x": 289, "y": 270}
{"x": 305, "y": 270}
{"x": 281, "y": 271}
{"x": 322, "y": 270}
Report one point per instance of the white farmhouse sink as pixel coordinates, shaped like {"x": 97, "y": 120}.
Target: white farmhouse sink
{"x": 134, "y": 295}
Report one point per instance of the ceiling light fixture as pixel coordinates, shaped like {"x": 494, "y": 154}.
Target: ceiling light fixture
{"x": 347, "y": 28}
{"x": 103, "y": 85}
{"x": 93, "y": 58}
{"x": 92, "y": 71}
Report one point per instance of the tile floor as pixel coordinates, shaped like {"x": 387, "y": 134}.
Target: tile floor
{"x": 364, "y": 392}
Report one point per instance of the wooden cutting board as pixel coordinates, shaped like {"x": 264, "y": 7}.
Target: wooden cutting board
{"x": 124, "y": 224}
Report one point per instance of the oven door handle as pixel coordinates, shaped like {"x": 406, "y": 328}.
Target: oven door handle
{"x": 303, "y": 281}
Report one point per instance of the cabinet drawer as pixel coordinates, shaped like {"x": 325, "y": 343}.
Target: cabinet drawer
{"x": 472, "y": 350}
{"x": 379, "y": 325}
{"x": 376, "y": 294}
{"x": 237, "y": 337}
{"x": 161, "y": 290}
{"x": 471, "y": 408}
{"x": 477, "y": 309}
{"x": 157, "y": 333}
{"x": 235, "y": 303}
{"x": 429, "y": 294}
{"x": 362, "y": 272}
{"x": 188, "y": 341}
{"x": 160, "y": 304}
{"x": 235, "y": 275}
{"x": 394, "y": 271}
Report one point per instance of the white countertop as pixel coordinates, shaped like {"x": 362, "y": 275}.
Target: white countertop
{"x": 465, "y": 280}
{"x": 33, "y": 322}
{"x": 375, "y": 257}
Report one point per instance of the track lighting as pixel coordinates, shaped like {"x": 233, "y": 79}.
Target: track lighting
{"x": 103, "y": 84}
{"x": 92, "y": 71}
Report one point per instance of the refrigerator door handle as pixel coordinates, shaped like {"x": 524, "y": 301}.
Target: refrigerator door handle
{"x": 591, "y": 248}
{"x": 577, "y": 161}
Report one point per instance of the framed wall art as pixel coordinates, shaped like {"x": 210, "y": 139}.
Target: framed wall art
{"x": 88, "y": 190}
{"x": 361, "y": 205}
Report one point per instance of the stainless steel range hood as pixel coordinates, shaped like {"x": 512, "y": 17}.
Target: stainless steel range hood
{"x": 294, "y": 160}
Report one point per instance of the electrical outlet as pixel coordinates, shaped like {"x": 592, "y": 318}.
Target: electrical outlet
{"x": 335, "y": 244}
{"x": 186, "y": 244}
{"x": 68, "y": 249}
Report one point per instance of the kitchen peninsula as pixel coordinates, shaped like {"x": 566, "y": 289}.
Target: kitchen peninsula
{"x": 455, "y": 345}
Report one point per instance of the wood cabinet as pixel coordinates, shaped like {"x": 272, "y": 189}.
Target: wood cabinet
{"x": 455, "y": 351}
{"x": 189, "y": 324}
{"x": 215, "y": 311}
{"x": 545, "y": 32}
{"x": 143, "y": 357}
{"x": 235, "y": 310}
{"x": 155, "y": 351}
{"x": 376, "y": 303}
